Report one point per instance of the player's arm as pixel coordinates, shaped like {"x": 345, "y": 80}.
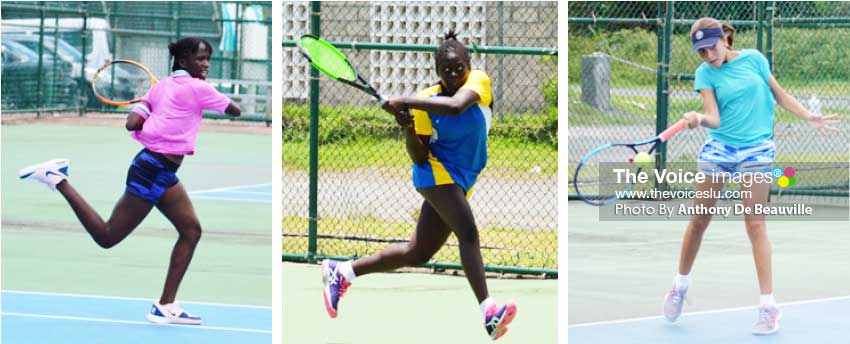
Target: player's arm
{"x": 711, "y": 117}
{"x": 789, "y": 103}
{"x": 233, "y": 109}
{"x": 454, "y": 105}
{"x": 417, "y": 145}
{"x": 137, "y": 116}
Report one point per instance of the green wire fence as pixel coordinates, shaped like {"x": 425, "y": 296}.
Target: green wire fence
{"x": 347, "y": 187}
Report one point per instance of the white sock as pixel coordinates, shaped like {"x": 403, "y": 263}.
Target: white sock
{"x": 484, "y": 305}
{"x": 682, "y": 281}
{"x": 347, "y": 270}
{"x": 767, "y": 300}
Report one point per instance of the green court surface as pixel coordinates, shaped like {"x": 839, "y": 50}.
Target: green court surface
{"x": 622, "y": 269}
{"x": 412, "y": 308}
{"x": 45, "y": 249}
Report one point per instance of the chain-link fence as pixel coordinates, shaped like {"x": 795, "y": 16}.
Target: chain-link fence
{"x": 362, "y": 198}
{"x": 51, "y": 50}
{"x": 631, "y": 76}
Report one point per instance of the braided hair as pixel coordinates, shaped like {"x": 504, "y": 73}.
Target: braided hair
{"x": 451, "y": 45}
{"x": 185, "y": 47}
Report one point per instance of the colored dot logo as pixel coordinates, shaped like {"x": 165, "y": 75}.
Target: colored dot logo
{"x": 785, "y": 177}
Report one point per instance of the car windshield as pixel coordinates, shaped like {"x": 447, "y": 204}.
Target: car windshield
{"x": 19, "y": 49}
{"x": 65, "y": 50}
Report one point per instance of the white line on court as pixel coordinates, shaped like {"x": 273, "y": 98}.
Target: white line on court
{"x": 198, "y": 327}
{"x": 232, "y": 188}
{"x": 232, "y": 192}
{"x": 209, "y": 197}
{"x": 129, "y": 299}
{"x": 611, "y": 322}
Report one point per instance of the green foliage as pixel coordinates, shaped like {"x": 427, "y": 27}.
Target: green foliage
{"x": 550, "y": 87}
{"x": 634, "y": 45}
{"x": 339, "y": 124}
{"x": 801, "y": 55}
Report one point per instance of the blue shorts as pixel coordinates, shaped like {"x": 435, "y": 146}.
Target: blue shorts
{"x": 716, "y": 156}
{"x": 150, "y": 175}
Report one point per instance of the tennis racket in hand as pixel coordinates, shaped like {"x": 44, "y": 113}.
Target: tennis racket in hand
{"x": 595, "y": 182}
{"x": 331, "y": 62}
{"x": 122, "y": 82}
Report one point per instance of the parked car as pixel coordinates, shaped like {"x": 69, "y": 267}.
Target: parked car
{"x": 68, "y": 53}
{"x": 20, "y": 73}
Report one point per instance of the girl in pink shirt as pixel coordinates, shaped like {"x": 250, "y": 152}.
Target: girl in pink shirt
{"x": 166, "y": 123}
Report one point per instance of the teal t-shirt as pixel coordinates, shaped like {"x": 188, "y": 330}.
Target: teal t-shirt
{"x": 744, "y": 98}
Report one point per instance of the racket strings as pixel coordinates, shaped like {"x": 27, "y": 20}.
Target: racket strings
{"x": 325, "y": 57}
{"x": 596, "y": 180}
{"x": 122, "y": 82}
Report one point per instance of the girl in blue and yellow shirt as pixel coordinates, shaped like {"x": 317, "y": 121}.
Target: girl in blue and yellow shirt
{"x": 445, "y": 130}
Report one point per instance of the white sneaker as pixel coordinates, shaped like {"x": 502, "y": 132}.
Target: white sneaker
{"x": 768, "y": 321}
{"x": 674, "y": 301}
{"x": 49, "y": 172}
{"x": 171, "y": 314}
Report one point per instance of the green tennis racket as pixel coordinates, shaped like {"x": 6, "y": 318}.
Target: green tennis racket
{"x": 333, "y": 63}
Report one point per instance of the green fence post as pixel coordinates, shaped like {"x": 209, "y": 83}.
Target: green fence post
{"x": 84, "y": 40}
{"x": 770, "y": 10}
{"x": 662, "y": 106}
{"x": 760, "y": 19}
{"x": 315, "y": 29}
{"x": 39, "y": 83}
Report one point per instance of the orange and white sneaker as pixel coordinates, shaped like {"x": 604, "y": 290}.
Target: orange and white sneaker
{"x": 497, "y": 319}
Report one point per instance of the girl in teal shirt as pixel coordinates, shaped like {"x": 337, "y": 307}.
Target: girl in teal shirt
{"x": 739, "y": 95}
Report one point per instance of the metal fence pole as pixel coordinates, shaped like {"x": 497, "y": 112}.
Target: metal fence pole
{"x": 663, "y": 96}
{"x": 760, "y": 20}
{"x": 315, "y": 29}
{"x": 84, "y": 39}
{"x": 771, "y": 8}
{"x": 39, "y": 83}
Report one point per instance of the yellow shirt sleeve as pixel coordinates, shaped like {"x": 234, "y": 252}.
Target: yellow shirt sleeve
{"x": 479, "y": 83}
{"x": 421, "y": 120}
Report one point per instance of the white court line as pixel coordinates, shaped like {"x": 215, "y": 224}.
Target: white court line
{"x": 24, "y": 292}
{"x": 231, "y": 192}
{"x": 215, "y": 198}
{"x": 621, "y": 321}
{"x": 128, "y": 322}
{"x": 232, "y": 187}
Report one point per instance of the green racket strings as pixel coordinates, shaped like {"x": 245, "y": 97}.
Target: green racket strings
{"x": 327, "y": 59}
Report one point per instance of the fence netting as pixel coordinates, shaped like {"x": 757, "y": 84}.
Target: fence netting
{"x": 366, "y": 199}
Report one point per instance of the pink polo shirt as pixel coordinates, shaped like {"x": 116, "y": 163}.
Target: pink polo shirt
{"x": 173, "y": 109}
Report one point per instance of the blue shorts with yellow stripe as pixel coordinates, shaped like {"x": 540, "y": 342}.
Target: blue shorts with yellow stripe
{"x": 150, "y": 174}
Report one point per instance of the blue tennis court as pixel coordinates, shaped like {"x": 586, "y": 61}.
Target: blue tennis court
{"x": 96, "y": 319}
{"x": 815, "y": 321}
{"x": 246, "y": 193}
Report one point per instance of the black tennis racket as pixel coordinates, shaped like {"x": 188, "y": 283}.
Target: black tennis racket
{"x": 333, "y": 63}
{"x": 594, "y": 181}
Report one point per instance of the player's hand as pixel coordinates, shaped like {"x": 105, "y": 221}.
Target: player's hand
{"x": 824, "y": 123}
{"x": 694, "y": 119}
{"x": 404, "y": 119}
{"x": 393, "y": 106}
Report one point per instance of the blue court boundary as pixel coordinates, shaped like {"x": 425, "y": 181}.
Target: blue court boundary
{"x": 810, "y": 321}
{"x": 53, "y": 317}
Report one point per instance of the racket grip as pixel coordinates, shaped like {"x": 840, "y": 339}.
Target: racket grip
{"x": 672, "y": 131}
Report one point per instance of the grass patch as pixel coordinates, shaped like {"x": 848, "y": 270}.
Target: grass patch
{"x": 506, "y": 157}
{"x": 364, "y": 236}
